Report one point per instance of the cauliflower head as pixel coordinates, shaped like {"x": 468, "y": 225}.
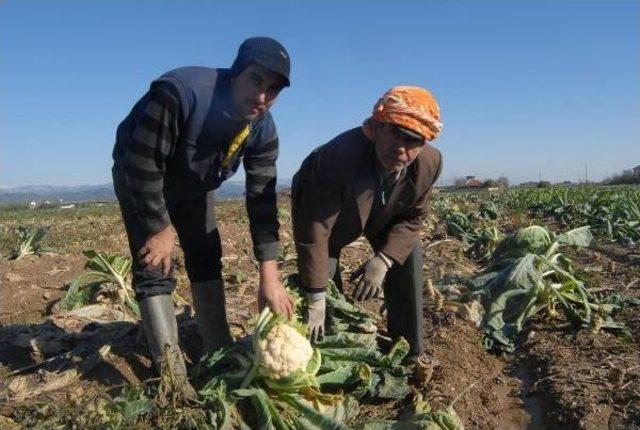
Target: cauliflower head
{"x": 283, "y": 351}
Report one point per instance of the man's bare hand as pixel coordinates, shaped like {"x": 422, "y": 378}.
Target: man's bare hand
{"x": 156, "y": 251}
{"x": 271, "y": 292}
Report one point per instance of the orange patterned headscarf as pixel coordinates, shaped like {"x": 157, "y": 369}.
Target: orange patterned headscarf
{"x": 413, "y": 108}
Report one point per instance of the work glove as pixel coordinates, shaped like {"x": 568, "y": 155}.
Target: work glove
{"x": 371, "y": 276}
{"x": 316, "y": 311}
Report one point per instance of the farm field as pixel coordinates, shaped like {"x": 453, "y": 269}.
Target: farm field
{"x": 525, "y": 327}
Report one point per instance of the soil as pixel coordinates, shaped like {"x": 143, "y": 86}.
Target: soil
{"x": 592, "y": 380}
{"x": 487, "y": 396}
{"x": 559, "y": 378}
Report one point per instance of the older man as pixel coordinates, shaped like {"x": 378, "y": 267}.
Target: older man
{"x": 374, "y": 180}
{"x": 182, "y": 139}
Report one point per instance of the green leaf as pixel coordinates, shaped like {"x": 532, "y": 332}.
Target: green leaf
{"x": 506, "y": 298}
{"x": 363, "y": 355}
{"x": 133, "y": 408}
{"x": 30, "y": 241}
{"x": 347, "y": 339}
{"x": 445, "y": 419}
{"x": 534, "y": 239}
{"x": 104, "y": 268}
{"x": 314, "y": 364}
{"x": 311, "y": 416}
{"x": 580, "y": 237}
{"x": 260, "y": 402}
{"x": 393, "y": 387}
{"x": 342, "y": 376}
{"x": 355, "y": 377}
{"x": 78, "y": 295}
{"x": 398, "y": 352}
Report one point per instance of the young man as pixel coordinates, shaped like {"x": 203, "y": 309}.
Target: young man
{"x": 375, "y": 179}
{"x": 182, "y": 139}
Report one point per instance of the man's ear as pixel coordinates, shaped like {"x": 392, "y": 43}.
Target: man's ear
{"x": 367, "y": 128}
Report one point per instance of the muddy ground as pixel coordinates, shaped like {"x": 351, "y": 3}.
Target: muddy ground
{"x": 558, "y": 378}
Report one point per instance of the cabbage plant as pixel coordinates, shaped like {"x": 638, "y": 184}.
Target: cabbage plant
{"x": 101, "y": 269}
{"x": 530, "y": 275}
{"x": 30, "y": 242}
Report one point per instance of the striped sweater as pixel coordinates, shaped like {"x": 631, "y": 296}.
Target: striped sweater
{"x": 150, "y": 156}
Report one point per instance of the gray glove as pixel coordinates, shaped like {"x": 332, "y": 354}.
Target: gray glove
{"x": 371, "y": 275}
{"x": 316, "y": 310}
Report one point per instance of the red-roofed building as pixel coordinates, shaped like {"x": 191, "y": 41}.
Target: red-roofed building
{"x": 471, "y": 182}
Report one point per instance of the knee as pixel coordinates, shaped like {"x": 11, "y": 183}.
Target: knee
{"x": 150, "y": 281}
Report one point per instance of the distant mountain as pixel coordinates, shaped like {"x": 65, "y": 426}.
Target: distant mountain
{"x": 38, "y": 193}
{"x": 102, "y": 192}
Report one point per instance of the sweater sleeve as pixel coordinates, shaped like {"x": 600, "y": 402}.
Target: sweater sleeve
{"x": 152, "y": 141}
{"x": 261, "y": 199}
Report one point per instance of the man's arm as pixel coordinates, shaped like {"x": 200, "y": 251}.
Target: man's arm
{"x": 261, "y": 199}
{"x": 401, "y": 238}
{"x": 318, "y": 202}
{"x": 261, "y": 202}
{"x": 152, "y": 140}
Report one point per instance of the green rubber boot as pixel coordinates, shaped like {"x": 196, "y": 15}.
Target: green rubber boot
{"x": 161, "y": 330}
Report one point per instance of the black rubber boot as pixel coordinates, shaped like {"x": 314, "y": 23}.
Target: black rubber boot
{"x": 211, "y": 316}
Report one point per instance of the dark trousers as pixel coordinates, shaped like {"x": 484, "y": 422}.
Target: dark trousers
{"x": 195, "y": 223}
{"x": 402, "y": 297}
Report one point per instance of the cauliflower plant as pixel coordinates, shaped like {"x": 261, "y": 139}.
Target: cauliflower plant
{"x": 282, "y": 357}
{"x": 283, "y": 351}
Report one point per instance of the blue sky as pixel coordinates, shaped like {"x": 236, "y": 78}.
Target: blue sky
{"x": 525, "y": 88}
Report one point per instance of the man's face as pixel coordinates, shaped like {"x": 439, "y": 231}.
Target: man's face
{"x": 394, "y": 148}
{"x": 254, "y": 91}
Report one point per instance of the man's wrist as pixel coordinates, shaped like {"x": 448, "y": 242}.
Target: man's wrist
{"x": 387, "y": 261}
{"x": 315, "y": 296}
{"x": 268, "y": 272}
{"x": 165, "y": 231}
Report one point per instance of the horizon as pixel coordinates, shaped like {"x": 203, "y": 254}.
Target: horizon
{"x": 528, "y": 90}
{"x": 288, "y": 180}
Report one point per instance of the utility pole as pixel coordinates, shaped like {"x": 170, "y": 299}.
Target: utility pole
{"x": 586, "y": 178}
{"x": 539, "y": 176}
